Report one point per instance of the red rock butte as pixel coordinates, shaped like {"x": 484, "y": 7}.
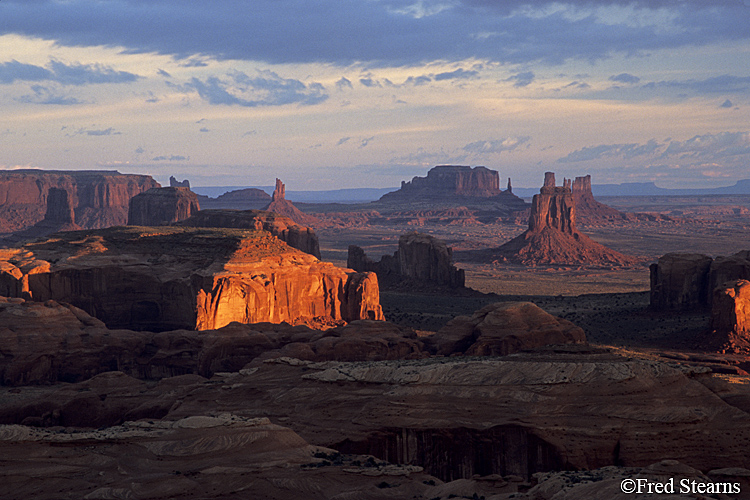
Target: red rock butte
{"x": 98, "y": 198}
{"x": 280, "y": 205}
{"x": 553, "y": 237}
{"x": 164, "y": 278}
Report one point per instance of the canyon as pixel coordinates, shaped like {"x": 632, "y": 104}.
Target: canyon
{"x": 217, "y": 356}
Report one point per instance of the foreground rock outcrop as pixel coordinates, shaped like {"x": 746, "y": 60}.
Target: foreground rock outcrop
{"x": 98, "y": 198}
{"x": 730, "y": 316}
{"x": 176, "y": 277}
{"x": 504, "y": 328}
{"x": 553, "y": 237}
{"x": 419, "y": 257}
{"x": 296, "y": 236}
{"x": 162, "y": 206}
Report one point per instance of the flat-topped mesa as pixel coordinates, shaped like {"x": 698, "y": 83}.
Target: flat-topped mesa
{"x": 166, "y": 278}
{"x": 453, "y": 180}
{"x": 553, "y": 238}
{"x": 296, "y": 236}
{"x": 162, "y": 206}
{"x": 98, "y": 198}
{"x": 280, "y": 205}
{"x": 419, "y": 257}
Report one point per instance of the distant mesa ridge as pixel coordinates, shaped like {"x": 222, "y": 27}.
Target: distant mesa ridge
{"x": 451, "y": 180}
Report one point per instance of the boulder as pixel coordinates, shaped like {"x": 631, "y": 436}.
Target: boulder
{"x": 98, "y": 198}
{"x": 503, "y": 328}
{"x": 296, "y": 236}
{"x": 162, "y": 206}
{"x": 196, "y": 278}
{"x": 419, "y": 257}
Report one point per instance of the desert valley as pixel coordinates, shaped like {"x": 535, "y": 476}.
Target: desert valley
{"x": 448, "y": 340}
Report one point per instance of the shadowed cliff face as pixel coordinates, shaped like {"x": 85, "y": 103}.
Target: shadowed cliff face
{"x": 98, "y": 198}
{"x": 171, "y": 277}
{"x": 162, "y": 206}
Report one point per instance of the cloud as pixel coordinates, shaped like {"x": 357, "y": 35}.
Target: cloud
{"x": 624, "y": 78}
{"x": 707, "y": 147}
{"x": 64, "y": 74}
{"x": 266, "y": 89}
{"x": 460, "y": 73}
{"x": 171, "y": 158}
{"x": 343, "y": 140}
{"x": 726, "y": 104}
{"x": 369, "y": 82}
{"x": 496, "y": 146}
{"x": 522, "y": 79}
{"x": 344, "y": 83}
{"x": 385, "y": 32}
{"x": 46, "y": 95}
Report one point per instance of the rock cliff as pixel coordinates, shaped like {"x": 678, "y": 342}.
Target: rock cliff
{"x": 419, "y": 257}
{"x": 162, "y": 206}
{"x": 553, "y": 237}
{"x": 586, "y": 206}
{"x": 683, "y": 281}
{"x": 176, "y": 277}
{"x": 98, "y": 198}
{"x": 730, "y": 311}
{"x": 451, "y": 180}
{"x": 175, "y": 183}
{"x": 240, "y": 199}
{"x": 284, "y": 228}
{"x": 280, "y": 205}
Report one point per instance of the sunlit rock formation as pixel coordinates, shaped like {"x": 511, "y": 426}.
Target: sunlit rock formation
{"x": 553, "y": 237}
{"x": 162, "y": 206}
{"x": 296, "y": 236}
{"x": 450, "y": 181}
{"x": 280, "y": 205}
{"x": 175, "y": 277}
{"x": 730, "y": 309}
{"x": 98, "y": 198}
{"x": 419, "y": 257}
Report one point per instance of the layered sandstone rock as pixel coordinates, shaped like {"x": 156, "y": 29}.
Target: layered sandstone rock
{"x": 503, "y": 328}
{"x": 553, "y": 237}
{"x": 98, "y": 198}
{"x": 451, "y": 180}
{"x": 175, "y": 183}
{"x": 586, "y": 206}
{"x": 419, "y": 257}
{"x": 679, "y": 281}
{"x": 280, "y": 205}
{"x": 730, "y": 310}
{"x": 682, "y": 281}
{"x": 162, "y": 206}
{"x": 175, "y": 277}
{"x": 296, "y": 236}
{"x": 59, "y": 217}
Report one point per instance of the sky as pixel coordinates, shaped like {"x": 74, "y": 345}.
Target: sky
{"x": 328, "y": 94}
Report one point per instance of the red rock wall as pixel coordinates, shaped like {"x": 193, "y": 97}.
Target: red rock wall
{"x": 162, "y": 206}
{"x": 99, "y": 198}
